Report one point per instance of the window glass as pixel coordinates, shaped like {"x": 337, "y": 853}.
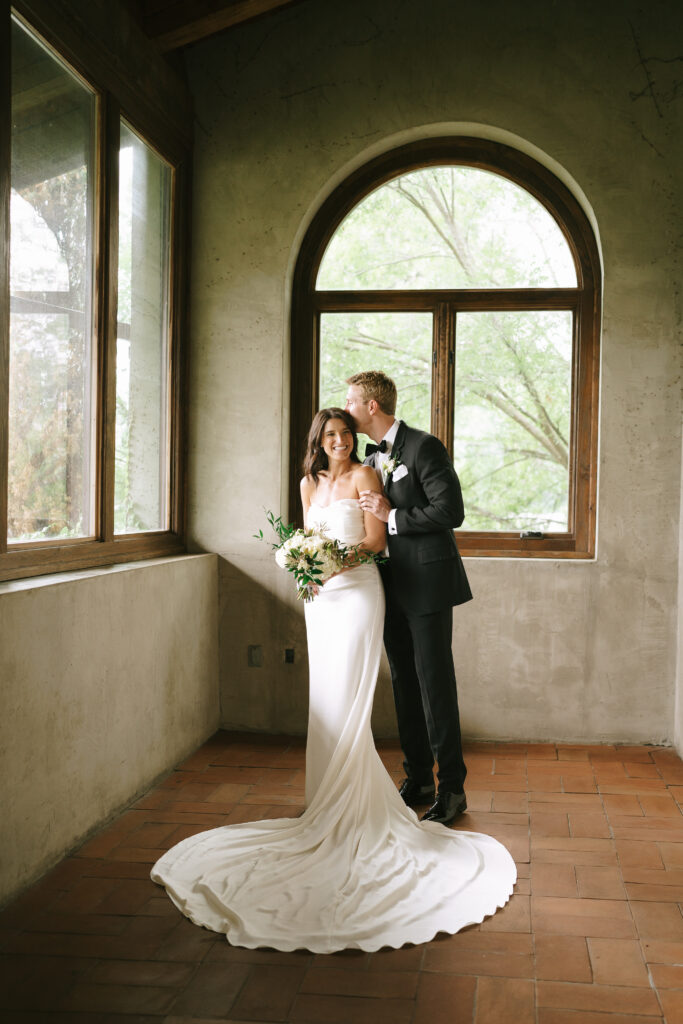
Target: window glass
{"x": 51, "y": 410}
{"x": 142, "y": 355}
{"x": 447, "y": 227}
{"x": 512, "y": 419}
{"x": 400, "y": 344}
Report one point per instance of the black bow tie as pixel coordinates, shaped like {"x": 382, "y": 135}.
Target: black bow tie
{"x": 370, "y": 449}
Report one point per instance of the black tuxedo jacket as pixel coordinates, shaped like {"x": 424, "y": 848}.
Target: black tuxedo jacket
{"x": 424, "y": 570}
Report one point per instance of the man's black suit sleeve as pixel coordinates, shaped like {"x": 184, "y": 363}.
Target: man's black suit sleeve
{"x": 439, "y": 481}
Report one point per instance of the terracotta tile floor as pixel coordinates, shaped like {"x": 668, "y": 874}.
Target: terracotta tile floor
{"x": 593, "y": 934}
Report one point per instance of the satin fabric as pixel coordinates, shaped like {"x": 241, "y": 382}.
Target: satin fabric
{"x": 357, "y": 870}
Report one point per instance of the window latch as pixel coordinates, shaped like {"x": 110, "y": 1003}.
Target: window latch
{"x": 528, "y": 534}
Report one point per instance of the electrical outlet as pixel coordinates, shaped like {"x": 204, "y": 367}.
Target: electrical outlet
{"x": 255, "y": 656}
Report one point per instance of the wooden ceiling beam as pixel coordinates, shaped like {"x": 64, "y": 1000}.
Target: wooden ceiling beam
{"x": 179, "y": 24}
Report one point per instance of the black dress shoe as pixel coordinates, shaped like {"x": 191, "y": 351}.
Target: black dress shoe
{"x": 446, "y": 808}
{"x": 413, "y": 794}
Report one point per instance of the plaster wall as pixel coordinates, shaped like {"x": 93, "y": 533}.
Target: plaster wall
{"x": 678, "y": 712}
{"x": 285, "y": 108}
{"x": 109, "y": 678}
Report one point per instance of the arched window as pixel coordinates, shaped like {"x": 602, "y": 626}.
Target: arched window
{"x": 470, "y": 274}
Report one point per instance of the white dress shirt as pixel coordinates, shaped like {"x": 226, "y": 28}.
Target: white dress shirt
{"x": 388, "y": 439}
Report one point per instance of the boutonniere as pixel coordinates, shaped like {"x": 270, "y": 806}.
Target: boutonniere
{"x": 389, "y": 465}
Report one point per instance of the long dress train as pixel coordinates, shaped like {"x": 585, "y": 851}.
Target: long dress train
{"x": 357, "y": 870}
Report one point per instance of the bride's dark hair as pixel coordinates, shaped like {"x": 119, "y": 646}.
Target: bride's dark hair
{"x": 315, "y": 459}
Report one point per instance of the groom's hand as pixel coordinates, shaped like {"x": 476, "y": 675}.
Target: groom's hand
{"x": 378, "y": 504}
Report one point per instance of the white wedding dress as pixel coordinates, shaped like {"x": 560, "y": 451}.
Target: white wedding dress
{"x": 357, "y": 870}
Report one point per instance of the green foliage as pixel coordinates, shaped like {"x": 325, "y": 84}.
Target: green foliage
{"x": 447, "y": 227}
{"x": 282, "y": 530}
{"x": 312, "y": 556}
{"x": 127, "y": 518}
{"x": 44, "y": 470}
{"x": 51, "y": 478}
{"x": 399, "y": 343}
{"x": 512, "y": 409}
{"x": 49, "y": 438}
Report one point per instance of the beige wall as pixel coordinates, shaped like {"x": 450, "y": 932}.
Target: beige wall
{"x": 108, "y": 679}
{"x": 678, "y": 713}
{"x": 288, "y": 105}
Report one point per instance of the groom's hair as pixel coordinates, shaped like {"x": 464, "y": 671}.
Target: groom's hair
{"x": 375, "y": 384}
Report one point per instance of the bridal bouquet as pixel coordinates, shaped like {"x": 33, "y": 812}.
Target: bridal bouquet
{"x": 311, "y": 556}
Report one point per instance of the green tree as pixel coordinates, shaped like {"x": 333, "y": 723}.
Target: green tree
{"x": 49, "y": 371}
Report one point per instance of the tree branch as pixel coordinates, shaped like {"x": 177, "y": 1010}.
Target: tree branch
{"x": 367, "y": 339}
{"x": 557, "y": 454}
{"x": 418, "y": 204}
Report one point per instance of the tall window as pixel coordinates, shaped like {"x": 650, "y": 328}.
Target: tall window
{"x": 142, "y": 477}
{"x": 51, "y": 489}
{"x": 91, "y": 466}
{"x": 470, "y": 275}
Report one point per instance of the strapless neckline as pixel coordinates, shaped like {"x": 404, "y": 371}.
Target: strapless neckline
{"x": 337, "y": 502}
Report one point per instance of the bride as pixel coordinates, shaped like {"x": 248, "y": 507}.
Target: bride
{"x": 357, "y": 870}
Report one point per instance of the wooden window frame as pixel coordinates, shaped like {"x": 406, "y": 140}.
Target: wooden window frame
{"x": 114, "y": 101}
{"x": 583, "y": 301}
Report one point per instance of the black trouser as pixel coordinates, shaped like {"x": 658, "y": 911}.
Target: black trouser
{"x": 421, "y": 661}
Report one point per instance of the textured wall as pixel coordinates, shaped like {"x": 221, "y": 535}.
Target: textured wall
{"x": 286, "y": 107}
{"x": 678, "y": 724}
{"x": 108, "y": 679}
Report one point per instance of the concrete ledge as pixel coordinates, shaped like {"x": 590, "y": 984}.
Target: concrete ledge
{"x": 109, "y": 677}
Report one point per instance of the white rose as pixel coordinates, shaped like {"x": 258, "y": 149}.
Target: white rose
{"x": 281, "y": 557}
{"x": 331, "y": 564}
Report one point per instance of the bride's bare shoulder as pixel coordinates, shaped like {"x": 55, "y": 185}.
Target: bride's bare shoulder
{"x": 365, "y": 478}
{"x": 307, "y": 486}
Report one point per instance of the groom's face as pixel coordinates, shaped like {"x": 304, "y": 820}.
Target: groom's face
{"x": 358, "y": 408}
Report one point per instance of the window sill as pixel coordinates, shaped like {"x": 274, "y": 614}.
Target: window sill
{"x": 36, "y": 560}
{"x": 74, "y": 575}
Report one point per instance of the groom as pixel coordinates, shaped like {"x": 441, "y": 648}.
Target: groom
{"x": 423, "y": 578}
